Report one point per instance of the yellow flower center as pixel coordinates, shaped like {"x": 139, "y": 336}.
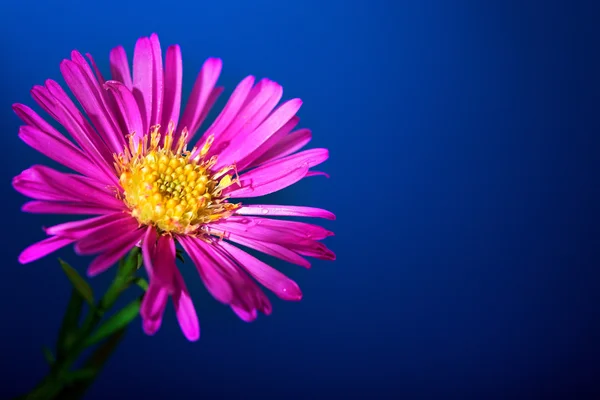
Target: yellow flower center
{"x": 168, "y": 188}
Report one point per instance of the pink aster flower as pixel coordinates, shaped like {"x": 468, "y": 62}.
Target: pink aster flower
{"x": 150, "y": 180}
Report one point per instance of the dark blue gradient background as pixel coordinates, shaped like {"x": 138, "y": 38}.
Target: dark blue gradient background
{"x": 464, "y": 175}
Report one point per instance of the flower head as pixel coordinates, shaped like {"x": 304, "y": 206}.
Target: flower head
{"x": 145, "y": 180}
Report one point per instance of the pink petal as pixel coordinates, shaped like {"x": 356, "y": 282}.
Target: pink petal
{"x": 49, "y": 207}
{"x": 99, "y": 239}
{"x": 143, "y": 77}
{"x": 43, "y": 183}
{"x": 275, "y": 230}
{"x": 252, "y": 115}
{"x": 121, "y": 245}
{"x": 184, "y": 309}
{"x": 119, "y": 67}
{"x": 249, "y": 143}
{"x": 246, "y": 316}
{"x": 287, "y": 145}
{"x": 281, "y": 285}
{"x": 58, "y": 149}
{"x": 229, "y": 112}
{"x": 316, "y": 173}
{"x": 312, "y": 249}
{"x": 128, "y": 108}
{"x": 81, "y": 228}
{"x": 157, "y": 81}
{"x": 173, "y": 82}
{"x": 272, "y": 249}
{"x": 281, "y": 210}
{"x": 217, "y": 285}
{"x": 206, "y": 81}
{"x": 253, "y": 159}
{"x": 153, "y": 307}
{"x": 159, "y": 257}
{"x": 256, "y": 184}
{"x": 88, "y": 92}
{"x": 43, "y": 248}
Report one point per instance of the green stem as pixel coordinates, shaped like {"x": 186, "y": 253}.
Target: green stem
{"x": 59, "y": 383}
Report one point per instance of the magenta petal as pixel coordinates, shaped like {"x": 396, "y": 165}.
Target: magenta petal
{"x": 157, "y": 81}
{"x": 173, "y": 82}
{"x": 153, "y": 307}
{"x": 143, "y": 73}
{"x": 43, "y": 248}
{"x": 99, "y": 239}
{"x": 253, "y": 140}
{"x": 121, "y": 245}
{"x": 50, "y": 207}
{"x": 253, "y": 114}
{"x": 119, "y": 67}
{"x": 206, "y": 81}
{"x": 184, "y": 309}
{"x": 128, "y": 108}
{"x": 281, "y": 210}
{"x": 246, "y": 316}
{"x": 278, "y": 283}
{"x": 88, "y": 92}
{"x": 80, "y": 229}
{"x": 217, "y": 285}
{"x": 256, "y": 184}
{"x": 230, "y": 111}
{"x": 159, "y": 258}
{"x": 58, "y": 149}
{"x": 272, "y": 249}
{"x": 287, "y": 145}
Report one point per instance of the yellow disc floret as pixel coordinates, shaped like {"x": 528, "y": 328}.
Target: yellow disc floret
{"x": 170, "y": 187}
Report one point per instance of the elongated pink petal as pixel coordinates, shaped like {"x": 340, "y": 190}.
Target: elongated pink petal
{"x": 119, "y": 67}
{"x": 128, "y": 108}
{"x": 259, "y": 184}
{"x": 173, "y": 83}
{"x": 50, "y": 207}
{"x": 287, "y": 145}
{"x": 153, "y": 307}
{"x": 272, "y": 210}
{"x": 229, "y": 112}
{"x": 310, "y": 158}
{"x": 79, "y": 229}
{"x": 301, "y": 230}
{"x": 271, "y": 249}
{"x": 57, "y": 103}
{"x": 316, "y": 173}
{"x": 247, "y": 144}
{"x": 253, "y": 114}
{"x": 88, "y": 92}
{"x": 217, "y": 285}
{"x": 159, "y": 258}
{"x": 246, "y": 316}
{"x": 121, "y": 245}
{"x": 311, "y": 248}
{"x": 99, "y": 239}
{"x": 157, "y": 81}
{"x": 253, "y": 160}
{"x": 184, "y": 309}
{"x": 43, "y": 248}
{"x": 43, "y": 183}
{"x": 281, "y": 285}
{"x": 206, "y": 81}
{"x": 143, "y": 73}
{"x": 58, "y": 149}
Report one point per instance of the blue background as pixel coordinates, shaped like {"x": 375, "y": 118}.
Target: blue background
{"x": 464, "y": 175}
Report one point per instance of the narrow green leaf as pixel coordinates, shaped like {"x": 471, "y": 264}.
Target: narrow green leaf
{"x": 130, "y": 263}
{"x": 93, "y": 364}
{"x": 70, "y": 324}
{"x": 119, "y": 320}
{"x": 78, "y": 282}
{"x": 78, "y": 375}
{"x": 48, "y": 355}
{"x": 142, "y": 283}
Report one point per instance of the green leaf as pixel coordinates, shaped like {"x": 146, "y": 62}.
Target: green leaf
{"x": 78, "y": 282}
{"x": 48, "y": 355}
{"x": 70, "y": 324}
{"x": 118, "y": 321}
{"x": 93, "y": 365}
{"x": 130, "y": 263}
{"x": 179, "y": 255}
{"x": 83, "y": 374}
{"x": 142, "y": 283}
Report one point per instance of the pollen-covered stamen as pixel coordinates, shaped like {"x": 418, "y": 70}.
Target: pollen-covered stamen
{"x": 164, "y": 187}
